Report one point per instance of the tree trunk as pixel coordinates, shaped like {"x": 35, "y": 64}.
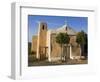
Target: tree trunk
{"x": 66, "y": 53}
{"x": 61, "y": 52}
{"x": 82, "y": 50}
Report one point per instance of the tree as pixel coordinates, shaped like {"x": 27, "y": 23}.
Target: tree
{"x": 29, "y": 48}
{"x": 62, "y": 39}
{"x": 81, "y": 39}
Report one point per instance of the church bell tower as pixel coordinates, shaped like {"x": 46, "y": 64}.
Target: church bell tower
{"x": 42, "y": 37}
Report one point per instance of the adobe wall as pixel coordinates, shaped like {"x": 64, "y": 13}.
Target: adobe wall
{"x": 42, "y": 40}
{"x": 34, "y": 44}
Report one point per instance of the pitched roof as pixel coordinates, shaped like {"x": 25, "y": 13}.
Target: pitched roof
{"x": 65, "y": 29}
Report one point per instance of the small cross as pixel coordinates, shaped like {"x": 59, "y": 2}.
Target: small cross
{"x": 66, "y": 23}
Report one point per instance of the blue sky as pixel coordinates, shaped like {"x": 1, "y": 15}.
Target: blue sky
{"x": 54, "y": 22}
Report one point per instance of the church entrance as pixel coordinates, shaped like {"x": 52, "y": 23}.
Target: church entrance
{"x": 43, "y": 53}
{"x": 66, "y": 52}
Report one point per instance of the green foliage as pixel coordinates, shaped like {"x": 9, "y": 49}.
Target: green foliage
{"x": 81, "y": 38}
{"x": 62, "y": 38}
{"x": 29, "y": 48}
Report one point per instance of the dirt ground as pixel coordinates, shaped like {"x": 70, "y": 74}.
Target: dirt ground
{"x": 35, "y": 62}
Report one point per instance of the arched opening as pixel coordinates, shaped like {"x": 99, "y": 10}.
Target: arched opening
{"x": 43, "y": 27}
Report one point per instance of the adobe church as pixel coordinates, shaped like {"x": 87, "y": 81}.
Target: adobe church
{"x": 46, "y": 47}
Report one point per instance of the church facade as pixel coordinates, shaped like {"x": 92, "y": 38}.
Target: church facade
{"x": 46, "y": 48}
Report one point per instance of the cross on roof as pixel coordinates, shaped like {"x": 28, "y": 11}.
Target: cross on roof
{"x": 66, "y": 23}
